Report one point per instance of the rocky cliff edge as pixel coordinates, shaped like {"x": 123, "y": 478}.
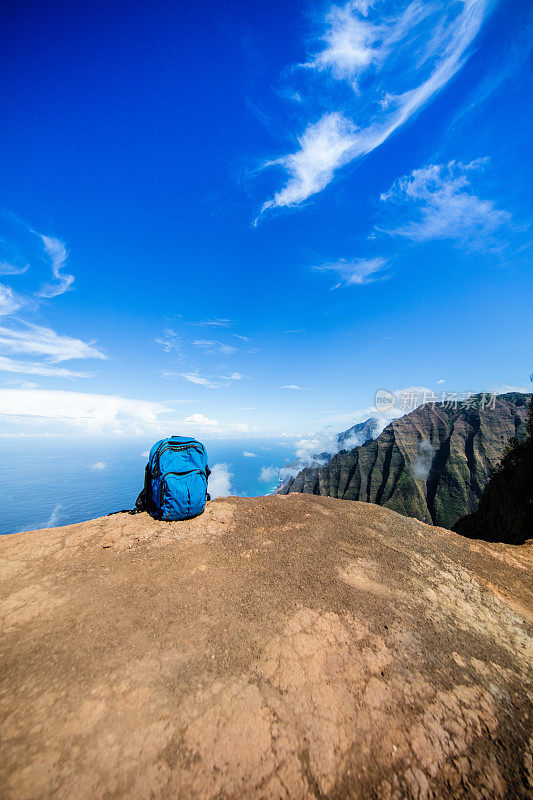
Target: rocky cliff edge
{"x": 290, "y": 646}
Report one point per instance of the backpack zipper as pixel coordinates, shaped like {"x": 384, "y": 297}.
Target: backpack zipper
{"x": 159, "y": 452}
{"x": 182, "y": 445}
{"x": 167, "y": 443}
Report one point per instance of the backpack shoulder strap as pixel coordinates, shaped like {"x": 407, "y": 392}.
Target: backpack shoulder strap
{"x": 144, "y": 500}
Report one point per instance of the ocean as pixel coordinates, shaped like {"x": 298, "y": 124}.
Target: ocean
{"x": 51, "y": 482}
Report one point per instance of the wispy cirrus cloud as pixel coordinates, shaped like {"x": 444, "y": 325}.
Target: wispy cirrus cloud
{"x": 211, "y": 382}
{"x": 22, "y": 249}
{"x": 170, "y": 341}
{"x": 212, "y": 346}
{"x": 324, "y": 146}
{"x": 9, "y": 302}
{"x": 293, "y": 386}
{"x": 351, "y": 43}
{"x": 444, "y": 205}
{"x": 58, "y": 254}
{"x": 22, "y": 245}
{"x": 434, "y": 202}
{"x": 193, "y": 377}
{"x": 392, "y": 63}
{"x": 356, "y": 272}
{"x": 212, "y": 323}
{"x": 11, "y": 269}
{"x": 38, "y": 340}
{"x": 183, "y": 346}
{"x": 176, "y": 342}
{"x": 35, "y": 368}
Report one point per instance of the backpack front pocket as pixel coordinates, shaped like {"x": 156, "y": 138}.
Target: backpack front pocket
{"x": 182, "y": 495}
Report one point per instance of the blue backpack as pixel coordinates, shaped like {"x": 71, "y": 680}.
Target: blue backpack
{"x": 175, "y": 479}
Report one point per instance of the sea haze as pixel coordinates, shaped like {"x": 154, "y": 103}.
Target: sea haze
{"x": 51, "y": 482}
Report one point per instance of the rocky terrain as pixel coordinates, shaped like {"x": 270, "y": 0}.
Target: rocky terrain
{"x": 279, "y": 647}
{"x": 431, "y": 464}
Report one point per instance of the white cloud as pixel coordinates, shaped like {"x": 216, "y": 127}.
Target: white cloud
{"x": 193, "y": 377}
{"x": 445, "y": 206}
{"x": 8, "y": 300}
{"x": 324, "y": 146}
{"x": 11, "y": 269}
{"x": 290, "y": 472}
{"x": 503, "y": 388}
{"x": 219, "y": 484}
{"x": 145, "y": 454}
{"x": 384, "y": 417}
{"x": 292, "y": 386}
{"x": 309, "y": 447}
{"x": 84, "y": 413}
{"x": 25, "y": 384}
{"x": 356, "y": 272}
{"x": 407, "y": 58}
{"x": 238, "y": 427}
{"x": 37, "y": 340}
{"x": 200, "y": 380}
{"x": 213, "y": 323}
{"x": 34, "y": 368}
{"x": 212, "y": 346}
{"x": 442, "y": 380}
{"x": 58, "y": 254}
{"x": 201, "y": 420}
{"x": 54, "y": 517}
{"x": 170, "y": 340}
{"x": 30, "y": 435}
{"x": 268, "y": 474}
{"x": 99, "y": 466}
{"x": 352, "y": 43}
{"x": 247, "y": 454}
{"x": 422, "y": 463}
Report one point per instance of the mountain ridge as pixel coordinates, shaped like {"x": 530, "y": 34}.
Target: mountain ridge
{"x": 431, "y": 464}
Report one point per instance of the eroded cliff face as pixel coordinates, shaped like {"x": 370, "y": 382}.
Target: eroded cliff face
{"x": 431, "y": 464}
{"x": 279, "y": 647}
{"x": 505, "y": 511}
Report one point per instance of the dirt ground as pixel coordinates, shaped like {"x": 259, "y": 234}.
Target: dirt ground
{"x": 280, "y": 647}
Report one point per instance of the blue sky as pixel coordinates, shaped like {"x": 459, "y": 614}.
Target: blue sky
{"x": 247, "y": 219}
